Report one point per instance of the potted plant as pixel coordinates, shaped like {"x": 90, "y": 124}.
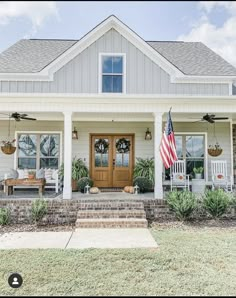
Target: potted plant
{"x": 78, "y": 170}
{"x": 198, "y": 172}
{"x": 83, "y": 182}
{"x": 8, "y": 147}
{"x": 31, "y": 174}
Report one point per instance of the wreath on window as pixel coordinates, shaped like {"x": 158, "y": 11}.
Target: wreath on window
{"x": 101, "y": 146}
{"x": 123, "y": 145}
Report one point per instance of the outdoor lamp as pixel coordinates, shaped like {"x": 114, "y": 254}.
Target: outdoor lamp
{"x": 148, "y": 135}
{"x": 74, "y": 134}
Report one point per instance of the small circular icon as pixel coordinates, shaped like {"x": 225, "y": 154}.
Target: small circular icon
{"x": 15, "y": 280}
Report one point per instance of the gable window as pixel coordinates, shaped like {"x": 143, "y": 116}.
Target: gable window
{"x": 112, "y": 73}
{"x": 37, "y": 151}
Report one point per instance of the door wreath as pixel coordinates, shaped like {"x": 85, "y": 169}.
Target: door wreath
{"x": 123, "y": 145}
{"x": 101, "y": 146}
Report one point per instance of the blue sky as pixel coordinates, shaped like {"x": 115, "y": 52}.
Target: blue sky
{"x": 212, "y": 22}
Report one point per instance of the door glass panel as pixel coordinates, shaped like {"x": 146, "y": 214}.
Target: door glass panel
{"x": 101, "y": 151}
{"x": 122, "y": 152}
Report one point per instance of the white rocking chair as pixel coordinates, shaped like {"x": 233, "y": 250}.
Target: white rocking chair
{"x": 219, "y": 175}
{"x": 178, "y": 178}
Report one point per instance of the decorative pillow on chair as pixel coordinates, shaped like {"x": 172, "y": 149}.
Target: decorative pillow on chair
{"x": 178, "y": 177}
{"x": 12, "y": 174}
{"x": 48, "y": 174}
{"x": 220, "y": 177}
{"x": 40, "y": 174}
{"x": 21, "y": 173}
{"x": 54, "y": 174}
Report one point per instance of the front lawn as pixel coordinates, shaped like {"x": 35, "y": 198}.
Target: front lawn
{"x": 189, "y": 261}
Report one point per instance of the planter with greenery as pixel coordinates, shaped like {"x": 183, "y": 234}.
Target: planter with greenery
{"x": 198, "y": 172}
{"x": 182, "y": 203}
{"x": 144, "y": 167}
{"x": 31, "y": 174}
{"x": 78, "y": 170}
{"x": 83, "y": 182}
{"x": 143, "y": 183}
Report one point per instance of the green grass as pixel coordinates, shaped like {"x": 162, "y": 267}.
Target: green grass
{"x": 189, "y": 261}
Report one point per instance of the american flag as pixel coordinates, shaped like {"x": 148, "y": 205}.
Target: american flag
{"x": 168, "y": 146}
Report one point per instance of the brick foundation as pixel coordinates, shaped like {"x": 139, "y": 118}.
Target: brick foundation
{"x": 65, "y": 211}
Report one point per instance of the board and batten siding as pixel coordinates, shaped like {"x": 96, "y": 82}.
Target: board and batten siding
{"x": 143, "y": 76}
{"x": 80, "y": 147}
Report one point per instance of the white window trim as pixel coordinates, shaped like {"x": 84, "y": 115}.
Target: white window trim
{"x": 206, "y": 146}
{"x": 37, "y": 132}
{"x": 123, "y": 55}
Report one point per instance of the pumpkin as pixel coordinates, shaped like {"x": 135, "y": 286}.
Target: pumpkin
{"x": 94, "y": 190}
{"x": 126, "y": 188}
{"x": 131, "y": 189}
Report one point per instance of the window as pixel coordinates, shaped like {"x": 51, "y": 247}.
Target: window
{"x": 37, "y": 151}
{"x": 192, "y": 149}
{"x": 112, "y": 72}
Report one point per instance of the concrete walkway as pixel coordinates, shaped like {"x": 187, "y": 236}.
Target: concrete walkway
{"x": 79, "y": 239}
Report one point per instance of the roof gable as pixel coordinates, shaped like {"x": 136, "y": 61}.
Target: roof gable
{"x": 177, "y": 59}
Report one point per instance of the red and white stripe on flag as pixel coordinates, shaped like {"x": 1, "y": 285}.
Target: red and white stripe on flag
{"x": 168, "y": 146}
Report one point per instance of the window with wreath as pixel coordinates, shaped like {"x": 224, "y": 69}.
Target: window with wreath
{"x": 37, "y": 151}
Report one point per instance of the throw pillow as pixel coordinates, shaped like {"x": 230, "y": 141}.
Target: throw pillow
{"x": 40, "y": 174}
{"x": 54, "y": 174}
{"x": 48, "y": 174}
{"x": 21, "y": 174}
{"x": 26, "y": 173}
{"x": 13, "y": 174}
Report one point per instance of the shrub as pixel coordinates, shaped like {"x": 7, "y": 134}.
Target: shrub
{"x": 143, "y": 183}
{"x": 83, "y": 182}
{"x": 216, "y": 202}
{"x": 145, "y": 168}
{"x": 182, "y": 203}
{"x": 4, "y": 216}
{"x": 39, "y": 208}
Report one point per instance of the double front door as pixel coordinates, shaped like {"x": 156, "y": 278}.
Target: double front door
{"x": 111, "y": 160}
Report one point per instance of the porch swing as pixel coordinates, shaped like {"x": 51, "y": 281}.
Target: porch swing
{"x": 8, "y": 147}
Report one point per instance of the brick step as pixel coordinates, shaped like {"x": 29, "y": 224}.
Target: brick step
{"x": 110, "y": 205}
{"x": 112, "y": 223}
{"x": 124, "y": 213}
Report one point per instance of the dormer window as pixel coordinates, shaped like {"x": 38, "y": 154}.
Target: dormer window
{"x": 112, "y": 73}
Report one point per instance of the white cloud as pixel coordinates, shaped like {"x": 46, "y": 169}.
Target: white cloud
{"x": 37, "y": 12}
{"x": 221, "y": 39}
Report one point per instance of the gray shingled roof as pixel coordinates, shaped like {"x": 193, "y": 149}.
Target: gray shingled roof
{"x": 32, "y": 55}
{"x": 193, "y": 58}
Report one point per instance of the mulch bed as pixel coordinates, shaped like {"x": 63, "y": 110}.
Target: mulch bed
{"x": 159, "y": 225}
{"x": 35, "y": 228}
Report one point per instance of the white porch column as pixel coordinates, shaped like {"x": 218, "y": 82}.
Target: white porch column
{"x": 67, "y": 190}
{"x": 158, "y": 190}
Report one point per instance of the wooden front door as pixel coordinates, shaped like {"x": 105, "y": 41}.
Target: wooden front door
{"x": 111, "y": 160}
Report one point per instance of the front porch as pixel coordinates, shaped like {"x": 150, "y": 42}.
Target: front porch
{"x": 121, "y": 123}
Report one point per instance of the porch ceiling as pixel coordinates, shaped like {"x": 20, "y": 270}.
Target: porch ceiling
{"x": 123, "y": 117}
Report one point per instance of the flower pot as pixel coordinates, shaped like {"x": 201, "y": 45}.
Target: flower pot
{"x": 8, "y": 149}
{"x": 31, "y": 176}
{"x": 198, "y": 176}
{"x": 74, "y": 185}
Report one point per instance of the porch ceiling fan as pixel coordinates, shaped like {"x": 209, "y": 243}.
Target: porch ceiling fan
{"x": 18, "y": 116}
{"x": 211, "y": 118}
